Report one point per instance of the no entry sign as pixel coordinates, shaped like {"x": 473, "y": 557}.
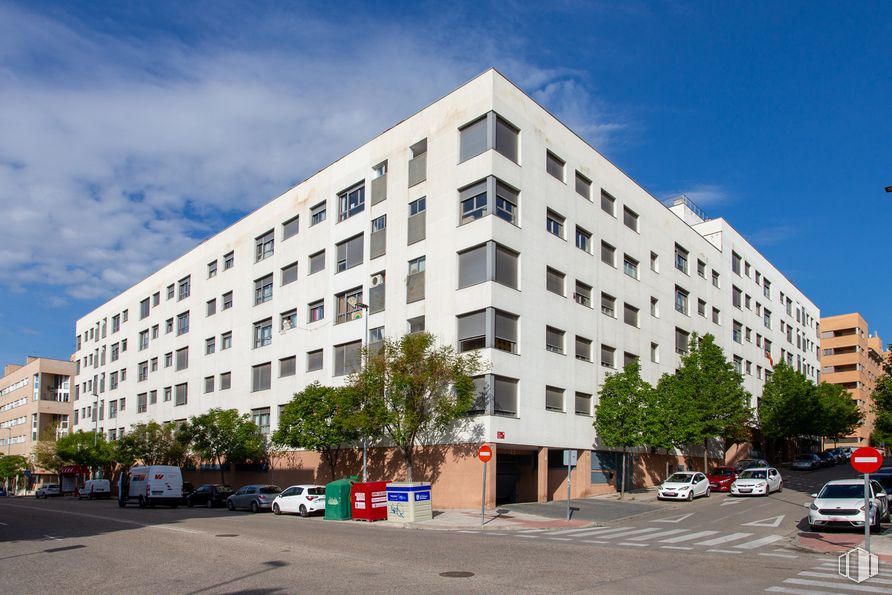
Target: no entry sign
{"x": 485, "y": 453}
{"x": 866, "y": 460}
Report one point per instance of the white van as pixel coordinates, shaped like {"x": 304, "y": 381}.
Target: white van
{"x": 150, "y": 485}
{"x": 95, "y": 488}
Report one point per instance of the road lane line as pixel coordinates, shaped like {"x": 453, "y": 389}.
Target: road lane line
{"x": 566, "y": 531}
{"x": 681, "y": 538}
{"x": 532, "y": 531}
{"x": 559, "y": 538}
{"x": 724, "y": 539}
{"x": 798, "y": 591}
{"x": 751, "y": 545}
{"x": 660, "y": 534}
{"x": 676, "y": 547}
{"x": 872, "y": 580}
{"x": 723, "y": 551}
{"x": 635, "y": 544}
{"x": 623, "y": 535}
{"x": 776, "y": 555}
{"x": 601, "y": 531}
{"x": 829, "y": 585}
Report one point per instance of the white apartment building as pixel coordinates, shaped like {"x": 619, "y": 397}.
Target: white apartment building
{"x": 483, "y": 220}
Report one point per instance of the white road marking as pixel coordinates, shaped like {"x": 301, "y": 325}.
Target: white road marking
{"x": 871, "y": 580}
{"x": 602, "y": 531}
{"x": 723, "y": 551}
{"x": 681, "y": 538}
{"x": 530, "y": 536}
{"x": 4, "y": 524}
{"x": 594, "y": 541}
{"x": 567, "y": 531}
{"x": 660, "y": 534}
{"x": 473, "y": 532}
{"x": 776, "y": 555}
{"x": 626, "y": 534}
{"x": 675, "y": 519}
{"x": 774, "y": 521}
{"x": 797, "y": 591}
{"x": 850, "y": 587}
{"x": 676, "y": 547}
{"x": 751, "y": 545}
{"x": 634, "y": 544}
{"x": 728, "y": 501}
{"x": 724, "y": 539}
{"x": 558, "y": 538}
{"x": 534, "y": 531}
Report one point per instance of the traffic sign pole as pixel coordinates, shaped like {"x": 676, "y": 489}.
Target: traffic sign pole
{"x": 484, "y": 454}
{"x": 867, "y": 512}
{"x": 867, "y": 460}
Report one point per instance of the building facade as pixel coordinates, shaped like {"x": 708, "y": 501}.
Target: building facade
{"x": 34, "y": 399}
{"x": 541, "y": 253}
{"x": 853, "y": 359}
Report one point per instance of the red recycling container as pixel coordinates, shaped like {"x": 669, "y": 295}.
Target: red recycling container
{"x": 368, "y": 501}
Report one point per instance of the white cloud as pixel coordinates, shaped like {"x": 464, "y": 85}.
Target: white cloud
{"x": 771, "y": 236}
{"x": 120, "y": 153}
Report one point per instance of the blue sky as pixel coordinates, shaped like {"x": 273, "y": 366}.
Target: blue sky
{"x": 130, "y": 131}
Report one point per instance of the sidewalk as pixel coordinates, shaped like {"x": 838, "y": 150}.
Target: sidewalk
{"x": 838, "y": 543}
{"x": 463, "y": 519}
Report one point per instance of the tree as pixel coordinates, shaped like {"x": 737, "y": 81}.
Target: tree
{"x": 153, "y": 444}
{"x": 413, "y": 390}
{"x": 12, "y": 466}
{"x": 320, "y": 418}
{"x": 45, "y": 456}
{"x": 882, "y": 403}
{"x": 85, "y": 448}
{"x": 789, "y": 406}
{"x": 621, "y": 411}
{"x": 840, "y": 415}
{"x": 224, "y": 436}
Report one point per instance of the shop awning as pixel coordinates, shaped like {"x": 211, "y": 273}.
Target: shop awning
{"x": 73, "y": 470}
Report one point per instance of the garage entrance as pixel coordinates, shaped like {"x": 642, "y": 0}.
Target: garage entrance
{"x": 515, "y": 475}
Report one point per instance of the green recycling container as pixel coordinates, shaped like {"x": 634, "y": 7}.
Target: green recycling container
{"x": 337, "y": 499}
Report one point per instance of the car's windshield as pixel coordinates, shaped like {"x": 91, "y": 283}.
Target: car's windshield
{"x": 721, "y": 471}
{"x": 680, "y": 478}
{"x": 842, "y": 491}
{"x": 316, "y": 491}
{"x": 270, "y": 490}
{"x": 753, "y": 474}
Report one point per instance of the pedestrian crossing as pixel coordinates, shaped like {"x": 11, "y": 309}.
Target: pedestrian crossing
{"x": 662, "y": 537}
{"x": 824, "y": 579}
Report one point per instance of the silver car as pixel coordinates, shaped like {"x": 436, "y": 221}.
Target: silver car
{"x": 254, "y": 497}
{"x": 50, "y": 489}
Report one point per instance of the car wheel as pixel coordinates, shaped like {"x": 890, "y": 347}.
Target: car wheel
{"x": 230, "y": 505}
{"x": 691, "y": 496}
{"x": 707, "y": 492}
{"x": 780, "y": 487}
{"x": 303, "y": 511}
{"x": 254, "y": 507}
{"x": 276, "y": 509}
{"x": 209, "y": 503}
{"x": 141, "y": 502}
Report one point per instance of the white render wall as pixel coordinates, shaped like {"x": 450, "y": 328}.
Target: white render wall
{"x": 659, "y": 230}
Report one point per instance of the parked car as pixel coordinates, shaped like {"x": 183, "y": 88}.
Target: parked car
{"x": 721, "y": 478}
{"x": 209, "y": 495}
{"x": 827, "y": 459}
{"x": 95, "y": 488}
{"x": 50, "y": 489}
{"x": 884, "y": 478}
{"x": 150, "y": 485}
{"x": 749, "y": 463}
{"x": 841, "y": 455}
{"x": 685, "y": 485}
{"x": 188, "y": 488}
{"x": 302, "y": 499}
{"x": 2, "y": 492}
{"x": 806, "y": 462}
{"x": 840, "y": 503}
{"x": 253, "y": 497}
{"x": 757, "y": 482}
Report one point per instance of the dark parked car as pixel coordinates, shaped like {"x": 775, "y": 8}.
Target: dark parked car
{"x": 2, "y": 492}
{"x": 827, "y": 459}
{"x": 253, "y": 497}
{"x": 744, "y": 464}
{"x": 210, "y": 495}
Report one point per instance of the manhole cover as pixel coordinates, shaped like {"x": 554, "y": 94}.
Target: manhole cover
{"x": 457, "y": 574}
{"x": 226, "y": 535}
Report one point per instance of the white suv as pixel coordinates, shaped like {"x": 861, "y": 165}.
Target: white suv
{"x": 50, "y": 489}
{"x": 840, "y": 503}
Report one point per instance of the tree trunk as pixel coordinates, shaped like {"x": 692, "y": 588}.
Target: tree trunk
{"x": 222, "y": 477}
{"x": 408, "y": 459}
{"x": 331, "y": 456}
{"x": 622, "y": 485}
{"x": 705, "y": 455}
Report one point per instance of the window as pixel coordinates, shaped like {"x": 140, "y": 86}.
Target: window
{"x": 654, "y": 307}
{"x": 116, "y": 326}
{"x": 288, "y": 320}
{"x": 208, "y": 384}
{"x": 583, "y": 240}
{"x": 748, "y": 335}
{"x": 654, "y": 262}
{"x": 260, "y": 377}
{"x": 226, "y": 341}
{"x": 287, "y": 366}
{"x": 554, "y": 223}
{"x": 506, "y": 265}
{"x": 488, "y": 132}
{"x": 738, "y": 364}
{"x": 211, "y": 307}
{"x": 142, "y": 371}
{"x": 184, "y": 288}
{"x": 351, "y": 202}
{"x": 747, "y": 301}
{"x": 766, "y": 288}
{"x": 681, "y": 341}
{"x": 416, "y": 324}
{"x": 767, "y": 318}
{"x": 182, "y": 394}
{"x": 263, "y": 333}
{"x": 554, "y": 339}
{"x": 630, "y": 315}
{"x": 736, "y": 297}
{"x": 349, "y": 305}
{"x": 473, "y": 139}
{"x": 289, "y": 273}
{"x": 583, "y": 404}
{"x": 260, "y": 417}
{"x": 317, "y": 262}
{"x": 316, "y": 311}
{"x": 182, "y": 358}
{"x": 210, "y": 345}
{"x": 347, "y": 358}
{"x": 115, "y": 352}
{"x": 212, "y": 269}
{"x": 228, "y": 260}
{"x": 472, "y": 331}
{"x": 290, "y": 228}
{"x": 124, "y": 315}
{"x": 608, "y": 254}
{"x": 506, "y": 203}
{"x": 113, "y": 381}
{"x": 608, "y": 204}
{"x": 554, "y": 281}
{"x": 737, "y": 332}
{"x": 554, "y": 398}
{"x": 112, "y": 409}
{"x": 630, "y": 266}
{"x": 473, "y": 202}
{"x": 418, "y": 163}
{"x": 225, "y": 380}
{"x": 507, "y": 139}
{"x": 167, "y": 393}
{"x": 608, "y": 356}
{"x": 378, "y": 237}
{"x": 314, "y": 360}
{"x": 608, "y": 305}
{"x": 554, "y": 165}
{"x": 144, "y": 309}
{"x": 168, "y": 326}
{"x": 681, "y": 259}
{"x": 143, "y": 340}
{"x": 183, "y": 323}
{"x": 472, "y": 266}
{"x": 227, "y": 300}
{"x": 701, "y": 307}
{"x": 701, "y": 268}
{"x": 735, "y": 263}
{"x": 168, "y": 359}
{"x": 681, "y": 300}
{"x": 263, "y": 289}
{"x": 349, "y": 253}
{"x": 583, "y": 186}
{"x": 583, "y": 349}
{"x": 746, "y": 268}
{"x": 156, "y": 299}
{"x": 153, "y": 397}
{"x": 630, "y": 218}
{"x": 317, "y": 214}
{"x": 655, "y": 353}
{"x": 417, "y": 229}
{"x": 583, "y": 294}
{"x": 716, "y": 316}
{"x": 715, "y": 279}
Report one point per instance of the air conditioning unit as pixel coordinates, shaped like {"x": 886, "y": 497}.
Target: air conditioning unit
{"x": 377, "y": 280}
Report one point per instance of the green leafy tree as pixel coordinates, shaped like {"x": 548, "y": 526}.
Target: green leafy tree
{"x": 85, "y": 448}
{"x": 840, "y": 415}
{"x": 320, "y": 418}
{"x": 153, "y": 444}
{"x": 881, "y": 398}
{"x": 224, "y": 436}
{"x": 45, "y": 456}
{"x": 789, "y": 407}
{"x": 12, "y": 466}
{"x": 621, "y": 411}
{"x": 413, "y": 391}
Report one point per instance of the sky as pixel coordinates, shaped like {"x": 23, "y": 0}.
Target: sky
{"x": 131, "y": 131}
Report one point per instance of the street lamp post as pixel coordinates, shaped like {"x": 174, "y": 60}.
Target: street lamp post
{"x": 365, "y": 341}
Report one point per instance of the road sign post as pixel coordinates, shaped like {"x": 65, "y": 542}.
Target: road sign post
{"x": 867, "y": 460}
{"x": 484, "y": 454}
{"x": 570, "y": 462}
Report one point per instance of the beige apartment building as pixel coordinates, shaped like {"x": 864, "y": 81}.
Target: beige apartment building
{"x": 34, "y": 397}
{"x": 853, "y": 359}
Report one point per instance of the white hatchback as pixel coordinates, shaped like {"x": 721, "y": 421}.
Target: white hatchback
{"x": 300, "y": 499}
{"x": 759, "y": 481}
{"x": 684, "y": 485}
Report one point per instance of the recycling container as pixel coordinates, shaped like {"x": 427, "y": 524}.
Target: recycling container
{"x": 337, "y": 499}
{"x": 409, "y": 502}
{"x": 369, "y": 501}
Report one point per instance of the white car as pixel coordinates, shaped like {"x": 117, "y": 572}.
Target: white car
{"x": 684, "y": 485}
{"x": 759, "y": 481}
{"x": 50, "y": 489}
{"x": 301, "y": 499}
{"x": 840, "y": 503}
